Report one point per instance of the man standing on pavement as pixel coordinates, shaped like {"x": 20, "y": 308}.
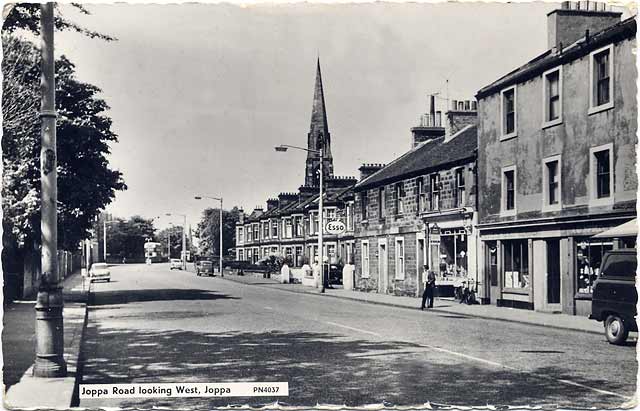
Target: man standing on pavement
{"x": 429, "y": 288}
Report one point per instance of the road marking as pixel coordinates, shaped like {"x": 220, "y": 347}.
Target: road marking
{"x": 353, "y": 328}
{"x": 493, "y": 363}
{"x": 268, "y": 308}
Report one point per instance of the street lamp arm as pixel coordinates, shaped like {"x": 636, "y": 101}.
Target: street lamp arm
{"x": 285, "y": 146}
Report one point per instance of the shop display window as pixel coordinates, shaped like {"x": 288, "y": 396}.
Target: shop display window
{"x": 453, "y": 254}
{"x": 516, "y": 264}
{"x": 589, "y": 253}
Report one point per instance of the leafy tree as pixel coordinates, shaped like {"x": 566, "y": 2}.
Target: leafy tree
{"x": 86, "y": 184}
{"x": 208, "y": 231}
{"x": 26, "y": 16}
{"x": 173, "y": 234}
{"x": 126, "y": 238}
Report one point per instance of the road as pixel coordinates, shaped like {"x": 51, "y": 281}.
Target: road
{"x": 153, "y": 325}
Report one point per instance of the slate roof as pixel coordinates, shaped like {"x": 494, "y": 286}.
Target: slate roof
{"x": 549, "y": 59}
{"x": 429, "y": 156}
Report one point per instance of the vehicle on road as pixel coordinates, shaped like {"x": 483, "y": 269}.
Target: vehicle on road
{"x": 204, "y": 267}
{"x": 335, "y": 274}
{"x": 175, "y": 264}
{"x": 614, "y": 295}
{"x": 99, "y": 272}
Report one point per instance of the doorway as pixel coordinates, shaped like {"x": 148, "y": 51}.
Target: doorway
{"x": 552, "y": 285}
{"x": 491, "y": 270}
{"x": 383, "y": 280}
{"x": 420, "y": 261}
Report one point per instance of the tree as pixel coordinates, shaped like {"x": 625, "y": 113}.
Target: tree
{"x": 26, "y": 16}
{"x": 126, "y": 238}
{"x": 86, "y": 184}
{"x": 208, "y": 231}
{"x": 173, "y": 234}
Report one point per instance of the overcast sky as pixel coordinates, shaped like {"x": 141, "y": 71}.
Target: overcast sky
{"x": 201, "y": 93}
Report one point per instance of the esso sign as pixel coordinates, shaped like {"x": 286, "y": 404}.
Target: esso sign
{"x": 335, "y": 227}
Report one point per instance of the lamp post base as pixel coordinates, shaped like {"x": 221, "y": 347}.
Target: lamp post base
{"x": 49, "y": 335}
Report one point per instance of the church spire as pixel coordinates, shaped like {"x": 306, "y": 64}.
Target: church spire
{"x": 318, "y": 130}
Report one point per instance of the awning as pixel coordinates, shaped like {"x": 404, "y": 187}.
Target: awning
{"x": 628, "y": 229}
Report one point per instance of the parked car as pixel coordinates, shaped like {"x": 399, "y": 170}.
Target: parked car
{"x": 175, "y": 263}
{"x": 204, "y": 267}
{"x": 99, "y": 272}
{"x": 614, "y": 295}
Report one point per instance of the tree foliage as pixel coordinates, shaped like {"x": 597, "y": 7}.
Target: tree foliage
{"x": 86, "y": 184}
{"x": 126, "y": 238}
{"x": 173, "y": 235}
{"x": 26, "y": 16}
{"x": 208, "y": 231}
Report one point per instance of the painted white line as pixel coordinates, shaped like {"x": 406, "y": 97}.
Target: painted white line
{"x": 268, "y": 308}
{"x": 492, "y": 363}
{"x": 353, "y": 328}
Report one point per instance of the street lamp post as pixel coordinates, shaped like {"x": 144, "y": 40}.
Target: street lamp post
{"x": 49, "y": 360}
{"x": 184, "y": 240}
{"x": 320, "y": 152}
{"x": 220, "y": 228}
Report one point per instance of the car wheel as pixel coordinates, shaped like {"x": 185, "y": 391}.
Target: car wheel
{"x": 108, "y": 280}
{"x": 615, "y": 330}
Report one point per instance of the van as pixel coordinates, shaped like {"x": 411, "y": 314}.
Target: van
{"x": 614, "y": 295}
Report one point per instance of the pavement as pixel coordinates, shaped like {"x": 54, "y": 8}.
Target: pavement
{"x": 18, "y": 347}
{"x": 152, "y": 325}
{"x": 444, "y": 305}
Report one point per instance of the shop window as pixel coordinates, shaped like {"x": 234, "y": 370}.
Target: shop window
{"x": 589, "y": 253}
{"x": 453, "y": 253}
{"x": 516, "y": 264}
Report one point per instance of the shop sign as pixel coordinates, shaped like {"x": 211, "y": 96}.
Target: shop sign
{"x": 335, "y": 227}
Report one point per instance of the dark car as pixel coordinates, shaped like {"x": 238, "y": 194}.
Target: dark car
{"x": 204, "y": 267}
{"x": 614, "y": 295}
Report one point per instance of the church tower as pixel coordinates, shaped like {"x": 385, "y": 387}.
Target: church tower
{"x": 318, "y": 137}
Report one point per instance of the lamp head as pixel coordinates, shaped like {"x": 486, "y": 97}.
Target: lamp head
{"x": 281, "y": 148}
{"x": 198, "y": 198}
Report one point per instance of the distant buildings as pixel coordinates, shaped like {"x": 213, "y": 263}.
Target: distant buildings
{"x": 504, "y": 195}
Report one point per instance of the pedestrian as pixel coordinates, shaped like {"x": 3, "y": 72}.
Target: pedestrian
{"x": 429, "y": 288}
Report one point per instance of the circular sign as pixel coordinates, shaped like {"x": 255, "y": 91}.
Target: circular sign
{"x": 335, "y": 227}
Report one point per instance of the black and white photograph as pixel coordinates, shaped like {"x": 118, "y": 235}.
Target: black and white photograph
{"x": 319, "y": 205}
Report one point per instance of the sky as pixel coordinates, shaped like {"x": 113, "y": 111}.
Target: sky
{"x": 201, "y": 93}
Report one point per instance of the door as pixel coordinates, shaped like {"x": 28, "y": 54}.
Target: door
{"x": 491, "y": 270}
{"x": 420, "y": 260}
{"x": 552, "y": 285}
{"x": 382, "y": 268}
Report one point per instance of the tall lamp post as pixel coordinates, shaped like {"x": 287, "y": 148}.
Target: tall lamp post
{"x": 184, "y": 239}
{"x": 218, "y": 199}
{"x": 320, "y": 152}
{"x": 49, "y": 360}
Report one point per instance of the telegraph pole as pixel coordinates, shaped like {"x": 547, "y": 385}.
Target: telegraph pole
{"x": 49, "y": 326}
{"x": 221, "y": 273}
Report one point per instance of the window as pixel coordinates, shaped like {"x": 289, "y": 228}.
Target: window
{"x": 552, "y": 184}
{"x": 459, "y": 190}
{"x": 287, "y": 228}
{"x": 240, "y": 255}
{"x": 434, "y": 194}
{"x": 329, "y": 214}
{"x": 419, "y": 195}
{"x": 399, "y": 258}
{"x": 265, "y": 229}
{"x": 240, "y": 235}
{"x": 552, "y": 97}
{"x": 508, "y": 109}
{"x": 256, "y": 232}
{"x": 349, "y": 213}
{"x": 400, "y": 194}
{"x": 330, "y": 252}
{"x": 381, "y": 202}
{"x": 249, "y": 239}
{"x": 601, "y": 67}
{"x": 274, "y": 228}
{"x": 364, "y": 204}
{"x": 601, "y": 173}
{"x": 365, "y": 259}
{"x": 589, "y": 254}
{"x": 516, "y": 264}
{"x": 298, "y": 226}
{"x": 508, "y": 191}
{"x": 314, "y": 223}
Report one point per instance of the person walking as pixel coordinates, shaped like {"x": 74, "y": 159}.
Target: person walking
{"x": 427, "y": 295}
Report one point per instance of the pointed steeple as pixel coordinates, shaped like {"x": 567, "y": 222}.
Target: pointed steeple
{"x": 319, "y": 129}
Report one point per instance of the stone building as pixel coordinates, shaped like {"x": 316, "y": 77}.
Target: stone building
{"x": 420, "y": 208}
{"x": 556, "y": 162}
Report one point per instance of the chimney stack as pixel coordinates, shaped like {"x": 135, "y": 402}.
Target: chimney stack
{"x": 461, "y": 114}
{"x": 430, "y": 126}
{"x": 368, "y": 169}
{"x": 570, "y": 23}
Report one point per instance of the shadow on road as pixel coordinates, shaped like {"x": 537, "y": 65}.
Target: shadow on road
{"x": 131, "y": 296}
{"x": 320, "y": 368}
